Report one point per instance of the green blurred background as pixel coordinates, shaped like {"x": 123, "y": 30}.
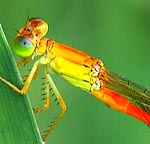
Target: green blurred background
{"x": 117, "y": 32}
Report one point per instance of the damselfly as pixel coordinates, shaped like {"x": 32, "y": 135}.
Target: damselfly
{"x": 79, "y": 69}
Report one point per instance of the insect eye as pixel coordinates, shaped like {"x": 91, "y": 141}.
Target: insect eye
{"x": 23, "y": 47}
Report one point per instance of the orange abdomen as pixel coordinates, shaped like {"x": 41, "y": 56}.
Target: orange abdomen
{"x": 122, "y": 104}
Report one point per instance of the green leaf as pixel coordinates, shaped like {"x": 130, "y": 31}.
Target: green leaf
{"x": 17, "y": 122}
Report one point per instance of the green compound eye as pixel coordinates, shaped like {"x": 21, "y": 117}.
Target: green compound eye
{"x": 23, "y": 47}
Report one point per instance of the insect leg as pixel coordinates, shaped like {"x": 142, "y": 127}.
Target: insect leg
{"x": 47, "y": 96}
{"x": 27, "y": 82}
{"x": 24, "y": 61}
{"x": 61, "y": 103}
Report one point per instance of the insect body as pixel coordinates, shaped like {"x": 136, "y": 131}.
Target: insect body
{"x": 79, "y": 69}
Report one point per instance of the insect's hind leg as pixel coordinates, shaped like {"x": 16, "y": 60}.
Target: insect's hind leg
{"x": 61, "y": 103}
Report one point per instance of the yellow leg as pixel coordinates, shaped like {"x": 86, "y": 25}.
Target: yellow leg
{"x": 47, "y": 96}
{"x": 47, "y": 102}
{"x": 61, "y": 103}
{"x": 24, "y": 78}
{"x": 27, "y": 82}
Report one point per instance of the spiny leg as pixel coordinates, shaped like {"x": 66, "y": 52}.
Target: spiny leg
{"x": 61, "y": 103}
{"x": 47, "y": 95}
{"x": 27, "y": 82}
{"x": 24, "y": 78}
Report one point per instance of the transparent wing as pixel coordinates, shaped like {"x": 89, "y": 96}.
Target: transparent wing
{"x": 135, "y": 93}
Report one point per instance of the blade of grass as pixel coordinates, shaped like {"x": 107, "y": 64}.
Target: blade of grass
{"x": 17, "y": 122}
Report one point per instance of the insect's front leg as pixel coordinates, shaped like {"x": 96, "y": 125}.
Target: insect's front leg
{"x": 27, "y": 82}
{"x": 24, "y": 61}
